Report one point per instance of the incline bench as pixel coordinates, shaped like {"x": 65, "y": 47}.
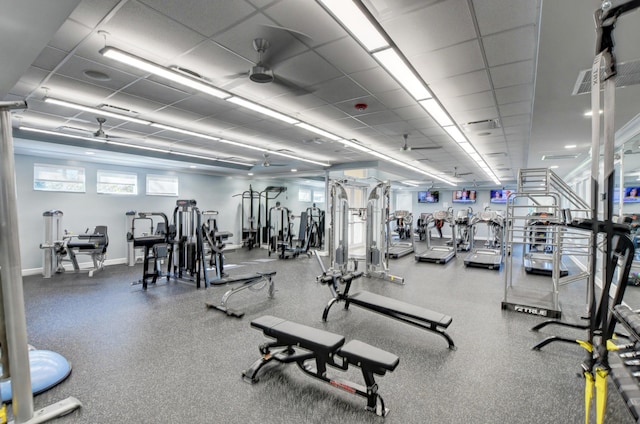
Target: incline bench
{"x": 402, "y": 311}
{"x": 313, "y": 349}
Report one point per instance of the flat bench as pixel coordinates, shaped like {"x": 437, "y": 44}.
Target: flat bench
{"x": 313, "y": 349}
{"x": 255, "y": 282}
{"x": 406, "y": 312}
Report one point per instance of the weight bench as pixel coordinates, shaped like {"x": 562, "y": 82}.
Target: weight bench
{"x": 254, "y": 282}
{"x": 313, "y": 349}
{"x": 402, "y": 311}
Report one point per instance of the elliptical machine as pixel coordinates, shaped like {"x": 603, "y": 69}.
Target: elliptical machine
{"x": 466, "y": 229}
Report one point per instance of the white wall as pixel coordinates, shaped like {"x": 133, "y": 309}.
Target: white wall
{"x": 86, "y": 210}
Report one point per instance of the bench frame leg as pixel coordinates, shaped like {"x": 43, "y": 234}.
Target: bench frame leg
{"x": 315, "y": 365}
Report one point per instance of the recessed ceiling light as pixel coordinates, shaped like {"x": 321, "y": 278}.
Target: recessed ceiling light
{"x": 570, "y": 146}
{"x": 96, "y": 75}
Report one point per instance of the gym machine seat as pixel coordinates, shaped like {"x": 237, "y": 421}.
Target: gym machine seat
{"x": 94, "y": 245}
{"x": 306, "y": 345}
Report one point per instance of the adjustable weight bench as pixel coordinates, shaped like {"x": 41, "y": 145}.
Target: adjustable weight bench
{"x": 313, "y": 349}
{"x": 402, "y": 311}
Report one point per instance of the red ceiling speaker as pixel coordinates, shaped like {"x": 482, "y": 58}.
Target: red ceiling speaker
{"x": 361, "y": 106}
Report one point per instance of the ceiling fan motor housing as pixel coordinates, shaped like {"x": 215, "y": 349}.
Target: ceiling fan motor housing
{"x": 260, "y": 74}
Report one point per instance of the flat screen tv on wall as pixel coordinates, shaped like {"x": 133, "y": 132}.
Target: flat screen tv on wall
{"x": 464, "y": 196}
{"x": 500, "y": 196}
{"x": 428, "y": 197}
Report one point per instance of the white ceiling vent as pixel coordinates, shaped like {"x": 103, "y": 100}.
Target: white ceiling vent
{"x": 628, "y": 74}
{"x": 481, "y": 128}
{"x": 559, "y": 157}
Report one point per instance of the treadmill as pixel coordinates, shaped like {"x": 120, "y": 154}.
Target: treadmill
{"x": 538, "y": 256}
{"x": 404, "y": 229}
{"x": 440, "y": 254}
{"x": 489, "y": 256}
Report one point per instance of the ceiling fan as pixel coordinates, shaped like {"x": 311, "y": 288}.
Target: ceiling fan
{"x": 266, "y": 163}
{"x": 457, "y": 174}
{"x": 262, "y": 73}
{"x": 406, "y": 147}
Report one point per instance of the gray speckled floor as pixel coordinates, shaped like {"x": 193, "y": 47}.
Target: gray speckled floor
{"x": 162, "y": 356}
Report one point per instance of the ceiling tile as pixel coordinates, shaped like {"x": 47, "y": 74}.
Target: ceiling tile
{"x": 470, "y": 102}
{"x": 144, "y": 31}
{"x": 76, "y": 66}
{"x": 307, "y": 17}
{"x": 396, "y": 98}
{"x": 156, "y": 92}
{"x": 77, "y": 91}
{"x": 201, "y": 104}
{"x": 90, "y": 12}
{"x": 434, "y": 27}
{"x": 512, "y": 74}
{"x": 473, "y": 82}
{"x": 499, "y": 15}
{"x": 516, "y": 120}
{"x": 201, "y": 15}
{"x": 376, "y": 80}
{"x": 29, "y": 81}
{"x": 322, "y": 114}
{"x": 347, "y": 55}
{"x": 412, "y": 112}
{"x": 379, "y": 118}
{"x": 510, "y": 46}
{"x": 444, "y": 63}
{"x": 339, "y": 90}
{"x": 49, "y": 58}
{"x": 515, "y": 93}
{"x": 518, "y": 108}
{"x": 69, "y": 35}
{"x": 215, "y": 63}
{"x": 307, "y": 69}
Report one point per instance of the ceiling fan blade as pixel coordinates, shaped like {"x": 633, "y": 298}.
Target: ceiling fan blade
{"x": 426, "y": 148}
{"x": 296, "y": 89}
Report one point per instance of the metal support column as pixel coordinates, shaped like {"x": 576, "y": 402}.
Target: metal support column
{"x": 13, "y": 310}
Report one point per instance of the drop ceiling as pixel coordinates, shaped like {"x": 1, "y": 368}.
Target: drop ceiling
{"x": 511, "y": 61}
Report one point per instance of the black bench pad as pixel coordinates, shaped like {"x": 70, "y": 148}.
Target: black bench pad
{"x": 148, "y": 241}
{"x": 369, "y": 357}
{"x": 375, "y": 302}
{"x": 297, "y": 334}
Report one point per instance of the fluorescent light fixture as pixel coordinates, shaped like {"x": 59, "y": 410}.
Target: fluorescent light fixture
{"x": 250, "y": 174}
{"x": 183, "y": 131}
{"x": 294, "y": 170}
{"x": 161, "y": 71}
{"x": 570, "y": 146}
{"x": 590, "y": 113}
{"x": 356, "y": 145}
{"x": 436, "y": 112}
{"x": 456, "y": 134}
{"x": 192, "y": 166}
{"x": 467, "y": 147}
{"x": 96, "y": 110}
{"x": 554, "y": 167}
{"x": 410, "y": 183}
{"x": 398, "y": 68}
{"x": 286, "y": 155}
{"x": 261, "y": 109}
{"x": 137, "y": 146}
{"x": 357, "y": 23}
{"x": 318, "y": 131}
{"x": 61, "y": 134}
{"x": 235, "y": 143}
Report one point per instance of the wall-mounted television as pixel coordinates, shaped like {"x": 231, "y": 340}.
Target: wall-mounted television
{"x": 500, "y": 196}
{"x": 631, "y": 195}
{"x": 464, "y": 196}
{"x": 428, "y": 196}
